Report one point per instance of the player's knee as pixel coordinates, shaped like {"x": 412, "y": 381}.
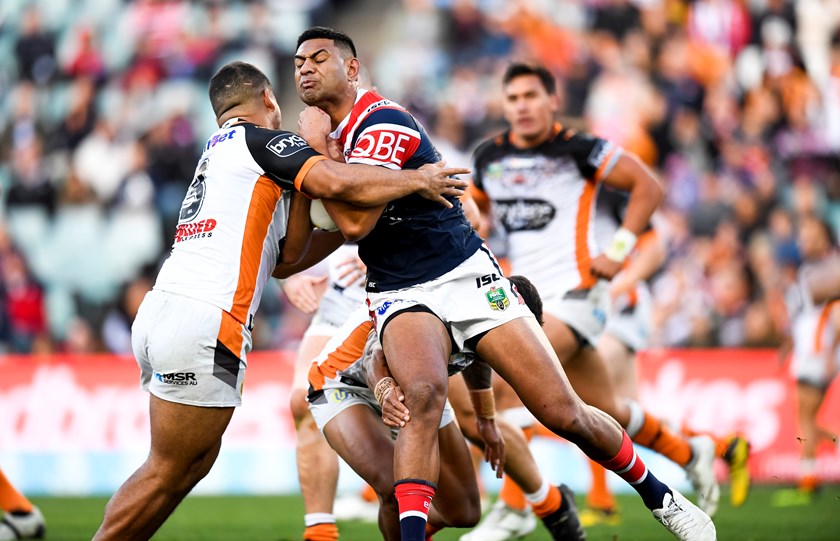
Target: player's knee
{"x": 426, "y": 397}
{"x": 567, "y": 420}
{"x": 298, "y": 405}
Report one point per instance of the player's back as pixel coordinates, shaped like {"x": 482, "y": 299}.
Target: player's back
{"x": 230, "y": 223}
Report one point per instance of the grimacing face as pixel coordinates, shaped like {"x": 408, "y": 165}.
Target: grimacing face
{"x": 529, "y": 108}
{"x": 320, "y": 71}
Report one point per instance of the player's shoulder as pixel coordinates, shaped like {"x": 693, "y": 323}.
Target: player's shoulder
{"x": 491, "y": 146}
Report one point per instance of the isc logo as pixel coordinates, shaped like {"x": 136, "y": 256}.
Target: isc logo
{"x": 395, "y": 144}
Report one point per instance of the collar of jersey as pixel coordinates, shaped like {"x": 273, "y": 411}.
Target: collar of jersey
{"x": 336, "y": 133}
{"x": 231, "y": 121}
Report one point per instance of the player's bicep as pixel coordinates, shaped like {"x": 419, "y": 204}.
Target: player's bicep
{"x": 285, "y": 156}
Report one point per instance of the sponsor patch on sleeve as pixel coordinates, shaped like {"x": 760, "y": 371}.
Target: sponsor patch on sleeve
{"x": 286, "y": 144}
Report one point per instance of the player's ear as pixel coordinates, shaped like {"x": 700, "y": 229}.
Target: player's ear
{"x": 555, "y": 102}
{"x": 353, "y": 66}
{"x": 267, "y": 100}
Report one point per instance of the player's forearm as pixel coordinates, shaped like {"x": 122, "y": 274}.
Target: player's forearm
{"x": 369, "y": 186}
{"x": 298, "y": 230}
{"x": 354, "y": 222}
{"x": 478, "y": 375}
{"x": 645, "y": 197}
{"x": 824, "y": 282}
{"x": 649, "y": 256}
{"x": 320, "y": 246}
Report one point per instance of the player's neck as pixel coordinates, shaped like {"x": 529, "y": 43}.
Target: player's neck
{"x": 339, "y": 108}
{"x": 520, "y": 141}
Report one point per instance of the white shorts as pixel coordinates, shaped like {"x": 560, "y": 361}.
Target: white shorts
{"x": 340, "y": 394}
{"x": 333, "y": 310}
{"x": 189, "y": 351}
{"x": 583, "y": 310}
{"x": 471, "y": 299}
{"x": 811, "y": 353}
{"x": 630, "y": 324}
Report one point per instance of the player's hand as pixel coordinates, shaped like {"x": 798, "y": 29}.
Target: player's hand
{"x": 620, "y": 285}
{"x": 353, "y": 271}
{"x": 604, "y": 267}
{"x": 435, "y": 182}
{"x": 334, "y": 150}
{"x": 314, "y": 125}
{"x": 394, "y": 412}
{"x": 304, "y": 291}
{"x": 494, "y": 444}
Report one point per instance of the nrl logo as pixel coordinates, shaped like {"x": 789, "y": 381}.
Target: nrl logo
{"x": 497, "y": 298}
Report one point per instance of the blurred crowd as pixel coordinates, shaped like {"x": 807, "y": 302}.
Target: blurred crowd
{"x": 734, "y": 103}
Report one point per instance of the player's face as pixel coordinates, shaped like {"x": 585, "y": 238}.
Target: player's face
{"x": 320, "y": 71}
{"x": 529, "y": 108}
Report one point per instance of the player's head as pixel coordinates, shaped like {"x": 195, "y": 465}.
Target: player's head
{"x": 326, "y": 67}
{"x": 530, "y": 101}
{"x": 815, "y": 238}
{"x": 528, "y": 292}
{"x": 241, "y": 89}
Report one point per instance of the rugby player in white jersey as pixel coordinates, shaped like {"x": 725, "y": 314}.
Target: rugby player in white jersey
{"x": 432, "y": 286}
{"x": 815, "y": 330}
{"x": 241, "y": 216}
{"x": 539, "y": 181}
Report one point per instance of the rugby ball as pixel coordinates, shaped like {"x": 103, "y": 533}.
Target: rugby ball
{"x": 319, "y": 216}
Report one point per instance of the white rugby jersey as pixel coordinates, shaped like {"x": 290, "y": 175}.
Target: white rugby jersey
{"x": 544, "y": 198}
{"x": 234, "y": 215}
{"x": 352, "y": 290}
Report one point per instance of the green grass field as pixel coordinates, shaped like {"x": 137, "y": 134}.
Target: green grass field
{"x": 280, "y": 519}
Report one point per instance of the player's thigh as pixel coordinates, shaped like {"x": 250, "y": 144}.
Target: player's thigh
{"x": 589, "y": 377}
{"x": 457, "y": 497}
{"x": 506, "y": 397}
{"x": 522, "y": 355}
{"x": 621, "y": 364}
{"x": 358, "y": 436}
{"x": 183, "y": 435}
{"x": 562, "y": 338}
{"x": 417, "y": 347}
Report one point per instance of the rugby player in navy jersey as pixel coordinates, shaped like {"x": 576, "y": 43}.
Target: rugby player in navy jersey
{"x": 433, "y": 287}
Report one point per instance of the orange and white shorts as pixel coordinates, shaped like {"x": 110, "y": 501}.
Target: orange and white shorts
{"x": 189, "y": 351}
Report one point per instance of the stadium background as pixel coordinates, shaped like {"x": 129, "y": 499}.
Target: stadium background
{"x": 103, "y": 110}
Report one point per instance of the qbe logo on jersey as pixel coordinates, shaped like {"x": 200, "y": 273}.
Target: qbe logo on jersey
{"x": 385, "y": 144}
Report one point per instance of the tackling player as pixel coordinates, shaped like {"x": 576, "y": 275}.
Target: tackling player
{"x": 193, "y": 330}
{"x": 432, "y": 286}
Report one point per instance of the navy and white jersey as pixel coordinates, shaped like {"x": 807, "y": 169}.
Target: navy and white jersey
{"x": 415, "y": 239}
{"x": 544, "y": 198}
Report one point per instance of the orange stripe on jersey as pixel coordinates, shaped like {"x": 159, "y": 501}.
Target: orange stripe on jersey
{"x": 607, "y": 159}
{"x": 582, "y": 255}
{"x": 263, "y": 202}
{"x": 347, "y": 353}
{"x": 478, "y": 195}
{"x": 230, "y": 334}
{"x": 826, "y": 311}
{"x": 305, "y": 169}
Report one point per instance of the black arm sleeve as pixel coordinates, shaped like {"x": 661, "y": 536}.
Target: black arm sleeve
{"x": 282, "y": 154}
{"x": 591, "y": 154}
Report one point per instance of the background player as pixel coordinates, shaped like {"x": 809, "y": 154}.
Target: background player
{"x": 431, "y": 284}
{"x": 540, "y": 181}
{"x": 816, "y": 359}
{"x": 332, "y": 297}
{"x": 192, "y": 332}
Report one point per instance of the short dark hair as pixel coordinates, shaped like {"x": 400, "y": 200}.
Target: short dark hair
{"x": 528, "y": 291}
{"x": 518, "y": 69}
{"x": 340, "y": 39}
{"x": 234, "y": 84}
